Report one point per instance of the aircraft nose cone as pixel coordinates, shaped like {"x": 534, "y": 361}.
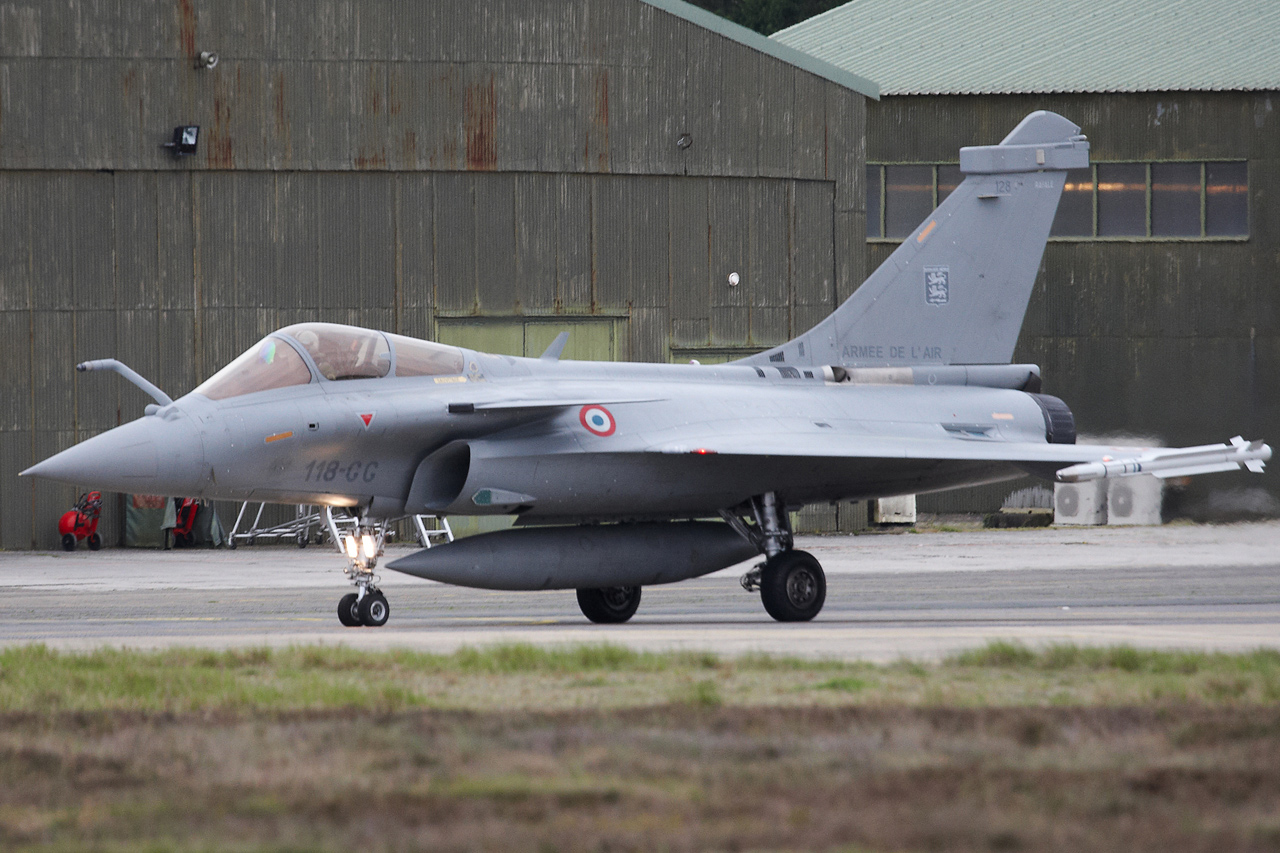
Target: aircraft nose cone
{"x": 151, "y": 455}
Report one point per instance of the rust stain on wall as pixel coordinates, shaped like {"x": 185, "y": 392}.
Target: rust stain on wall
{"x": 409, "y": 149}
{"x": 599, "y": 132}
{"x": 446, "y": 139}
{"x": 375, "y": 92}
{"x": 480, "y": 118}
{"x": 187, "y": 27}
{"x": 221, "y": 155}
{"x": 281, "y": 114}
{"x": 376, "y": 160}
{"x": 394, "y": 104}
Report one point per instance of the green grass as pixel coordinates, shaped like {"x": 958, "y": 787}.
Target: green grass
{"x": 1124, "y": 658}
{"x": 35, "y": 679}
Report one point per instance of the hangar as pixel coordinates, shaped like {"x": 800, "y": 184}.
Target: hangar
{"x": 1157, "y": 308}
{"x": 486, "y": 173}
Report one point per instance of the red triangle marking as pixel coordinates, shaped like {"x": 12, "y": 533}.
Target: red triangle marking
{"x": 368, "y": 419}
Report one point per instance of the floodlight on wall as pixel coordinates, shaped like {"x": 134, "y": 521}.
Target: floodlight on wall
{"x": 185, "y": 139}
{"x": 207, "y": 60}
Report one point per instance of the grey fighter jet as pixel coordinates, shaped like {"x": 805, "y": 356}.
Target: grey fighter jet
{"x": 625, "y": 475}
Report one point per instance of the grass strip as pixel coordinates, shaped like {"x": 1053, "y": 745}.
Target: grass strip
{"x": 35, "y": 678}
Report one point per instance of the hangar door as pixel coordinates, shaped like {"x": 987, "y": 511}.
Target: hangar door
{"x": 590, "y": 338}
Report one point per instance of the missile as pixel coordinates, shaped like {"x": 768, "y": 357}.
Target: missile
{"x": 579, "y": 557}
{"x": 1176, "y": 462}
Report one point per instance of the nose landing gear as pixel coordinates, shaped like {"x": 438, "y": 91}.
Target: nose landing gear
{"x": 367, "y": 605}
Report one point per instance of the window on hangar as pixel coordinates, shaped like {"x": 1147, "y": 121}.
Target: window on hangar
{"x": 1162, "y": 200}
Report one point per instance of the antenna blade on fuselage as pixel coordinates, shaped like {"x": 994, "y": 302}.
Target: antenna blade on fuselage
{"x": 557, "y": 347}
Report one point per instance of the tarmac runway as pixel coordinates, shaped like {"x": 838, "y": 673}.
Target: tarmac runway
{"x": 889, "y": 596}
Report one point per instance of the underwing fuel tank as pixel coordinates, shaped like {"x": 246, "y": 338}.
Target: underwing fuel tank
{"x": 581, "y": 557}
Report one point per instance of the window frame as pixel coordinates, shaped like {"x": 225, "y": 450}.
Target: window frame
{"x": 1148, "y": 237}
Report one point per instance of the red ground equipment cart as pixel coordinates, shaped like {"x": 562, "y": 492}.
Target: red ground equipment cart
{"x": 81, "y": 522}
{"x": 182, "y": 535}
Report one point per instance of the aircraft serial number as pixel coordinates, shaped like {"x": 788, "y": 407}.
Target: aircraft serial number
{"x": 329, "y": 470}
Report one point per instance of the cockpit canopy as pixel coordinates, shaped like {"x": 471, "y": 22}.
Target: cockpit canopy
{"x": 333, "y": 353}
{"x": 343, "y": 352}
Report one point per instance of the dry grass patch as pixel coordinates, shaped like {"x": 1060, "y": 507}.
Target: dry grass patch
{"x": 592, "y": 748}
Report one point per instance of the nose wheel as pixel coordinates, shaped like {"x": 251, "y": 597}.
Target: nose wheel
{"x": 366, "y": 606}
{"x": 372, "y": 610}
{"x": 349, "y": 610}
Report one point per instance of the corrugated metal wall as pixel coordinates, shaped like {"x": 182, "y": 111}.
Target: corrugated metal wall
{"x": 1177, "y": 339}
{"x": 391, "y": 164}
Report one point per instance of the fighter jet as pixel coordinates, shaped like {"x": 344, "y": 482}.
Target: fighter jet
{"x": 623, "y": 475}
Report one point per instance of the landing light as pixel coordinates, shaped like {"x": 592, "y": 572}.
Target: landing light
{"x": 370, "y": 547}
{"x": 353, "y": 549}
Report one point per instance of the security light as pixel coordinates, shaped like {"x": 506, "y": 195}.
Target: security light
{"x": 185, "y": 139}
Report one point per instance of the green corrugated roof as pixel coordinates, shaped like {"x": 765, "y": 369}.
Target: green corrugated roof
{"x": 1008, "y": 46}
{"x": 778, "y": 50}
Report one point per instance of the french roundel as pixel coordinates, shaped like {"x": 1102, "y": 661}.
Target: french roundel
{"x": 598, "y": 420}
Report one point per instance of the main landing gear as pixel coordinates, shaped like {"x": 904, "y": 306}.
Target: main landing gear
{"x": 367, "y": 605}
{"x": 791, "y": 583}
{"x": 610, "y": 606}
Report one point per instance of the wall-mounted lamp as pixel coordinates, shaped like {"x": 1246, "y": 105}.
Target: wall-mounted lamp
{"x": 185, "y": 139}
{"x": 684, "y": 141}
{"x": 734, "y": 278}
{"x": 207, "y": 60}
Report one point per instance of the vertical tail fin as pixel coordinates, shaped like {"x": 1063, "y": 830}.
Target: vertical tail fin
{"x": 956, "y": 290}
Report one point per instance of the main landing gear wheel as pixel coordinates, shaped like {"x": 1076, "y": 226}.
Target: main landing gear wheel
{"x": 374, "y": 610}
{"x": 611, "y": 605}
{"x": 348, "y": 612}
{"x": 793, "y": 586}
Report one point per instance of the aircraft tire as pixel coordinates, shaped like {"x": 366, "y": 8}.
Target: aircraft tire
{"x": 68, "y": 542}
{"x": 793, "y": 586}
{"x": 95, "y": 541}
{"x": 374, "y": 610}
{"x": 611, "y": 606}
{"x": 348, "y": 615}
